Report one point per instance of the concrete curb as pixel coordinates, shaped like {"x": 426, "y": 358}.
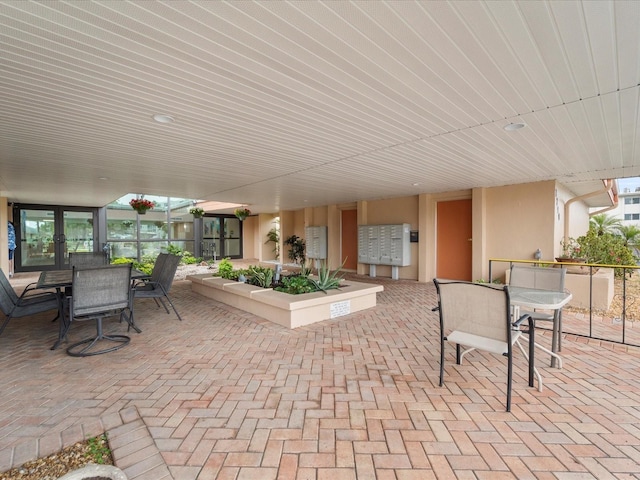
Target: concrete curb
{"x": 106, "y": 472}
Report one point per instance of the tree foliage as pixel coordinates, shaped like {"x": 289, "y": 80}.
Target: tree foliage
{"x": 604, "y": 223}
{"x": 605, "y": 249}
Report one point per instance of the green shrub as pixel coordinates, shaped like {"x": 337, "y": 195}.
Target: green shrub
{"x": 145, "y": 267}
{"x": 225, "y": 268}
{"x": 174, "y": 250}
{"x": 297, "y": 251}
{"x": 605, "y": 249}
{"x": 295, "y": 285}
{"x": 235, "y": 274}
{"x": 259, "y": 276}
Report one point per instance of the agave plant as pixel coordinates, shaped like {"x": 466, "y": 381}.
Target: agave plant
{"x": 327, "y": 280}
{"x": 260, "y": 276}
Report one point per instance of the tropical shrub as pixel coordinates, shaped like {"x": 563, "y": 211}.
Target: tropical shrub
{"x": 605, "y": 249}
{"x": 225, "y": 268}
{"x": 187, "y": 257}
{"x": 297, "y": 250}
{"x": 146, "y": 266}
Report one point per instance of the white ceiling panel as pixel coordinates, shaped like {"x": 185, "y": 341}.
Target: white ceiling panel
{"x": 302, "y": 103}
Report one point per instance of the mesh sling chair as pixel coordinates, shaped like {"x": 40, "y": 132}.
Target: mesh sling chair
{"x": 478, "y": 316}
{"x": 98, "y": 293}
{"x": 158, "y": 286}
{"x": 87, "y": 259}
{"x": 27, "y": 304}
{"x": 541, "y": 278}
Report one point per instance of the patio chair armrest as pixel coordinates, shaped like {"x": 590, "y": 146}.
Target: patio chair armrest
{"x": 149, "y": 285}
{"x": 35, "y": 298}
{"x": 30, "y": 288}
{"x": 516, "y": 325}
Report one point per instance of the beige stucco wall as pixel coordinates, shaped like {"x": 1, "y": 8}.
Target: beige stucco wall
{"x": 509, "y": 222}
{"x": 254, "y": 236}
{"x": 519, "y": 220}
{"x": 387, "y": 212}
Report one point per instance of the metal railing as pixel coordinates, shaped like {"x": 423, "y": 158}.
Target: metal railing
{"x": 619, "y": 323}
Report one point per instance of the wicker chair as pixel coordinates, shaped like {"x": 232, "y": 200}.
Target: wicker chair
{"x": 159, "y": 285}
{"x": 98, "y": 293}
{"x": 478, "y": 316}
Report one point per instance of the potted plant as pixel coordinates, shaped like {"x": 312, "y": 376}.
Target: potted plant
{"x": 197, "y": 212}
{"x": 141, "y": 205}
{"x": 571, "y": 251}
{"x": 242, "y": 213}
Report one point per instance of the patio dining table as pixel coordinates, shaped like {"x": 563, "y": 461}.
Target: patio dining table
{"x": 544, "y": 300}
{"x": 61, "y": 280}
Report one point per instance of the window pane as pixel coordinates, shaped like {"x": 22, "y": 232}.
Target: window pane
{"x": 184, "y": 246}
{"x": 152, "y": 249}
{"x": 123, "y": 250}
{"x": 153, "y": 225}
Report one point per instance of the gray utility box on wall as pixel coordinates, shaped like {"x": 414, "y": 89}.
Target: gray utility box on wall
{"x": 316, "y": 242}
{"x": 384, "y": 245}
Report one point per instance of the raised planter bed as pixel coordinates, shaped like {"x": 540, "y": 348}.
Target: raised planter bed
{"x": 290, "y": 311}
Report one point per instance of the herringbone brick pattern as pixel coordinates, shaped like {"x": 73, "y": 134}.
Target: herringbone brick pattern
{"x": 226, "y": 395}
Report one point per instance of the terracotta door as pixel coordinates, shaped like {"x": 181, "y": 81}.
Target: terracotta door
{"x": 453, "y": 259}
{"x": 349, "y": 239}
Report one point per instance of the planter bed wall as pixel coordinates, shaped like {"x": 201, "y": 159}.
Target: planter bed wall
{"x": 290, "y": 311}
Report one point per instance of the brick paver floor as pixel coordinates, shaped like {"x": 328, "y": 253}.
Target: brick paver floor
{"x": 226, "y": 395}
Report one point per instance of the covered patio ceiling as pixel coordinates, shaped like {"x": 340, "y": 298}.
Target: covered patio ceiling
{"x": 283, "y": 105}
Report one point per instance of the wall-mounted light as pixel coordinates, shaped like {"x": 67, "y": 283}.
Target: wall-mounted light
{"x": 537, "y": 254}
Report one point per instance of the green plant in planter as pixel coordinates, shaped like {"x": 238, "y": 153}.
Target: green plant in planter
{"x": 296, "y": 285}
{"x": 225, "y": 268}
{"x": 297, "y": 252}
{"x": 259, "y": 276}
{"x": 327, "y": 280}
{"x": 197, "y": 212}
{"x": 273, "y": 236}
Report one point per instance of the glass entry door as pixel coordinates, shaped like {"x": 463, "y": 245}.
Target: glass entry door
{"x": 222, "y": 237}
{"x": 46, "y": 235}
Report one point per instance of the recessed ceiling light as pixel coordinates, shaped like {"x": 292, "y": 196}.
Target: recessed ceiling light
{"x": 512, "y": 127}
{"x": 415, "y": 184}
{"x": 162, "y": 118}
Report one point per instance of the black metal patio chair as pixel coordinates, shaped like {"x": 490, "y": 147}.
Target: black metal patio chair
{"x": 159, "y": 285}
{"x": 28, "y": 303}
{"x": 98, "y": 293}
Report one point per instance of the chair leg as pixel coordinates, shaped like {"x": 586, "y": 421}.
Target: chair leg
{"x": 159, "y": 302}
{"x": 130, "y": 321}
{"x": 509, "y": 380}
{"x": 535, "y": 370}
{"x": 174, "y": 307}
{"x": 119, "y": 341}
{"x": 441, "y": 361}
{"x": 4, "y": 324}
